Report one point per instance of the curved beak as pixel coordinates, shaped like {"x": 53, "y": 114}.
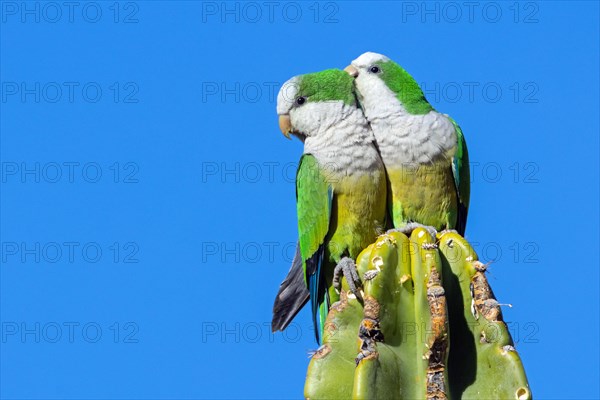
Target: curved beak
{"x": 353, "y": 72}
{"x": 285, "y": 124}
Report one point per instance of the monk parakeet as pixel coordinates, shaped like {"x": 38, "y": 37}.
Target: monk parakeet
{"x": 340, "y": 190}
{"x": 424, "y": 151}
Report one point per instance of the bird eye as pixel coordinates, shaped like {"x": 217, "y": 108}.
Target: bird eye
{"x": 300, "y": 100}
{"x": 374, "y": 69}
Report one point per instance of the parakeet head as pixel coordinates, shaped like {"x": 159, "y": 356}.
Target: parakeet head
{"x": 376, "y": 75}
{"x": 309, "y": 104}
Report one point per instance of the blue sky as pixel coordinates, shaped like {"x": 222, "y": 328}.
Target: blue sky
{"x": 147, "y": 199}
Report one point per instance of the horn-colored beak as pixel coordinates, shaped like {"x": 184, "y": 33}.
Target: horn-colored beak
{"x": 285, "y": 124}
{"x": 353, "y": 72}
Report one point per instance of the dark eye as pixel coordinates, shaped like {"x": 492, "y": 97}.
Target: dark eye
{"x": 374, "y": 69}
{"x": 300, "y": 100}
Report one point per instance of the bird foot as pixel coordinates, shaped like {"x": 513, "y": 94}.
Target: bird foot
{"x": 411, "y": 226}
{"x": 347, "y": 268}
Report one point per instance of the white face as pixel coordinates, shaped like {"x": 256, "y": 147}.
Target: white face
{"x": 307, "y": 118}
{"x": 371, "y": 89}
{"x": 287, "y": 95}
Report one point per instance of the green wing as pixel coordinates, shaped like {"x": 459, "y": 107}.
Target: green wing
{"x": 313, "y": 200}
{"x": 462, "y": 179}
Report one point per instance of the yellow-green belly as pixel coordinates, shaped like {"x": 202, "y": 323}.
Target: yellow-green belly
{"x": 358, "y": 217}
{"x": 424, "y": 194}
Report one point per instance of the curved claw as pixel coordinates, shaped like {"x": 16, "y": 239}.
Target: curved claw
{"x": 347, "y": 268}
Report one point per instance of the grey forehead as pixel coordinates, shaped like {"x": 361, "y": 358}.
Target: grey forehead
{"x": 369, "y": 58}
{"x": 287, "y": 95}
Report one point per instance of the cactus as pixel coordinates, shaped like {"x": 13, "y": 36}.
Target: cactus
{"x": 427, "y": 327}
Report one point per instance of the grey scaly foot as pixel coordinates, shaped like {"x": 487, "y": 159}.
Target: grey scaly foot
{"x": 347, "y": 268}
{"x": 411, "y": 226}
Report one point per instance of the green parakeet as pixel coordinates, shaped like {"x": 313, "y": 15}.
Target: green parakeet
{"x": 340, "y": 190}
{"x": 424, "y": 151}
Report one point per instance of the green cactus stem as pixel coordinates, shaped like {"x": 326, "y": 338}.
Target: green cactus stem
{"x": 427, "y": 327}
{"x": 331, "y": 369}
{"x": 484, "y": 363}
